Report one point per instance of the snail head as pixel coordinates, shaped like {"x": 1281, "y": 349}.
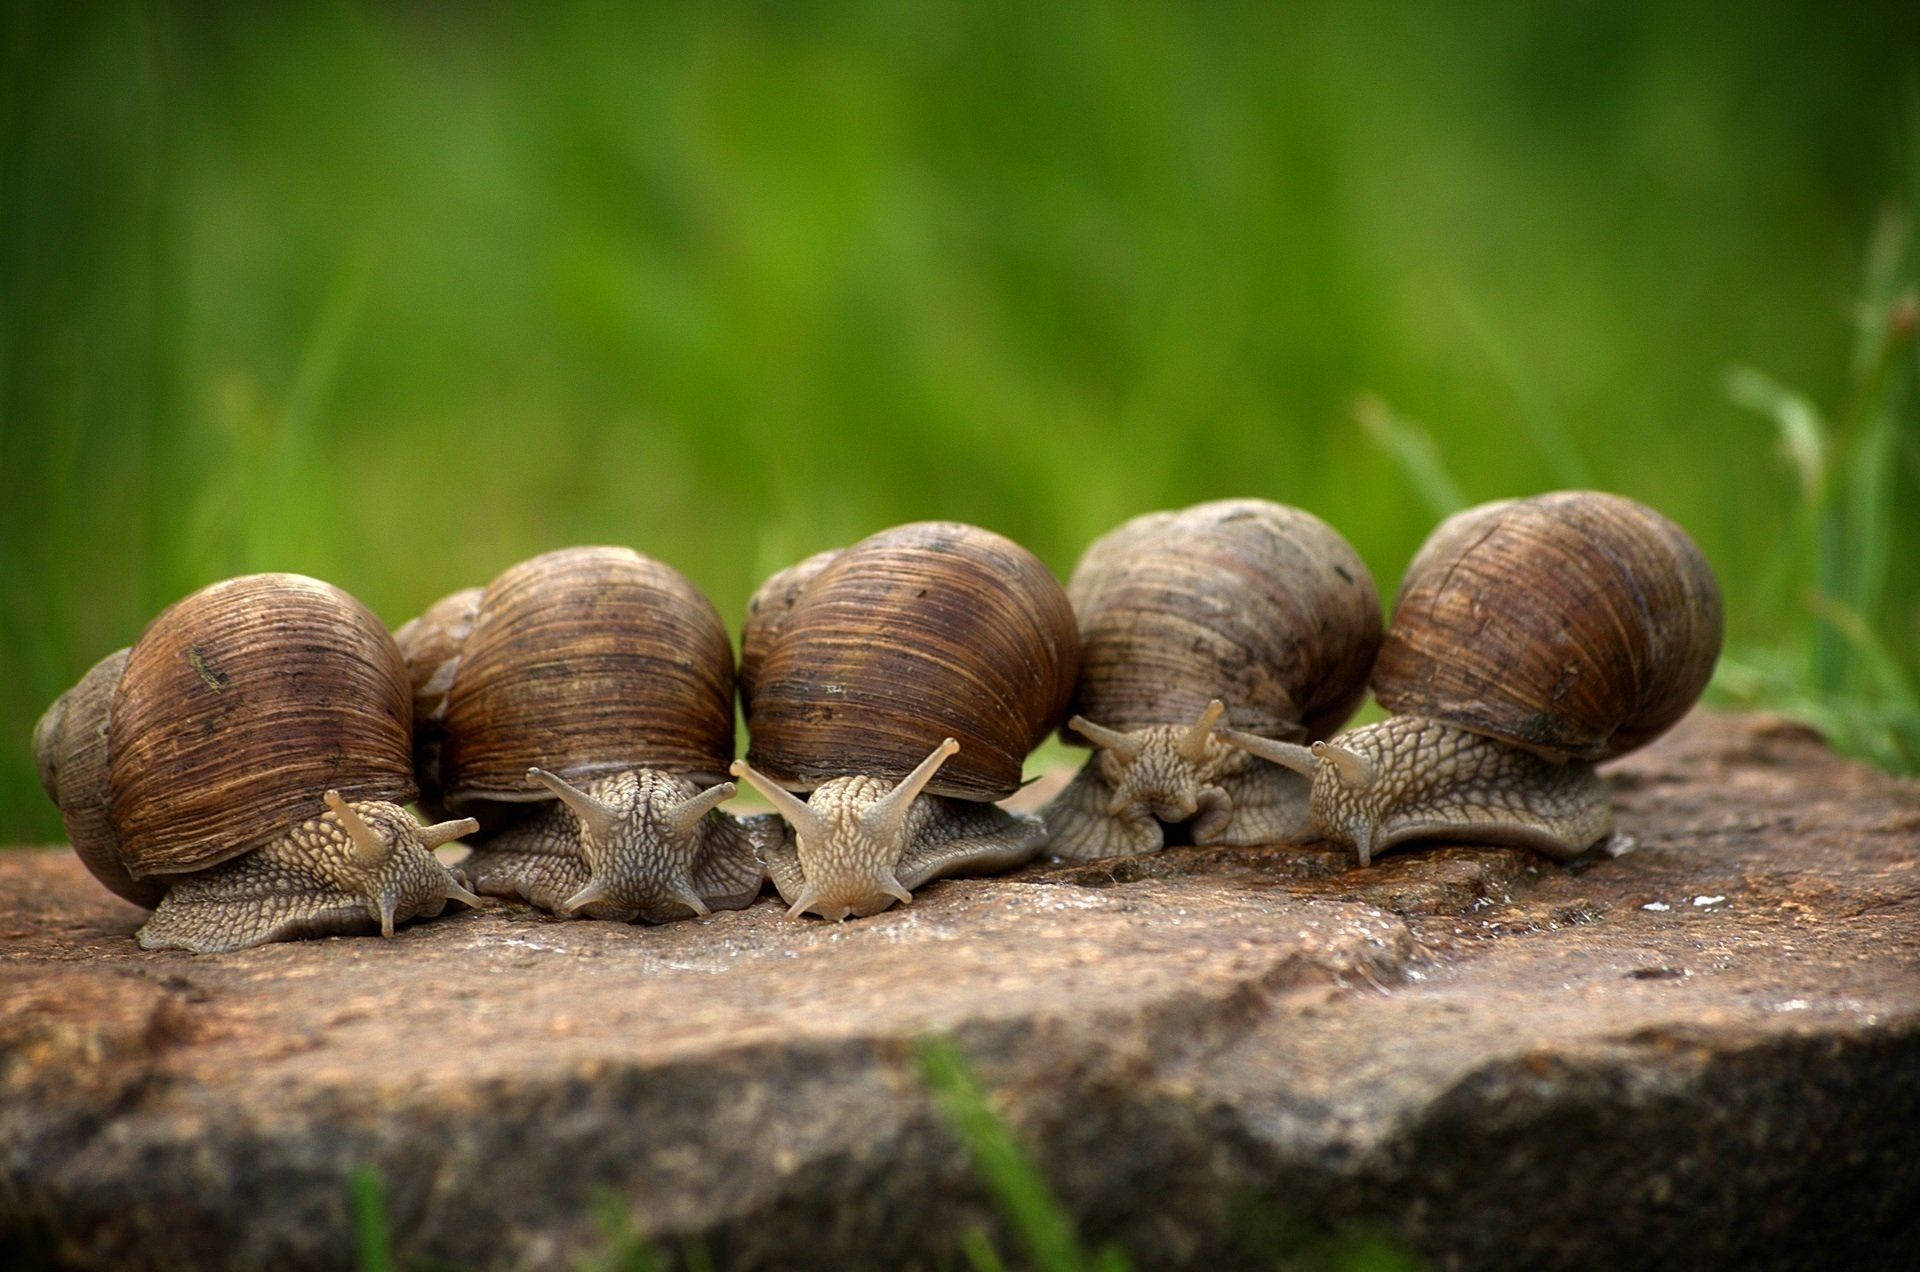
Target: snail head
{"x": 1165, "y": 772}
{"x": 1345, "y": 785}
{"x": 850, "y": 835}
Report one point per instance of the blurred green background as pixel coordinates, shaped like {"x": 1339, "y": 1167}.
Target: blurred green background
{"x": 399, "y": 296}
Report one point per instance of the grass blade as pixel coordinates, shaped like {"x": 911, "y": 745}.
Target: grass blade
{"x": 1890, "y": 681}
{"x": 1549, "y": 430}
{"x": 279, "y": 524}
{"x": 1803, "y": 431}
{"x": 1413, "y": 448}
{"x": 1806, "y": 440}
{"x": 622, "y": 1247}
{"x": 1875, "y": 416}
{"x": 979, "y": 1252}
{"x": 373, "y": 1238}
{"x": 1022, "y": 1193}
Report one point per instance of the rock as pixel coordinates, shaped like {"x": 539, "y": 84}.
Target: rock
{"x": 1702, "y": 1053}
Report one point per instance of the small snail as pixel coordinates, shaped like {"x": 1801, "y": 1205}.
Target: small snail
{"x": 1532, "y": 639}
{"x": 581, "y": 705}
{"x": 1240, "y": 608}
{"x": 240, "y": 769}
{"x": 902, "y": 681}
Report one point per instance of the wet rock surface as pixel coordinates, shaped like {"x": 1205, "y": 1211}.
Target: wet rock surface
{"x": 1704, "y": 1052}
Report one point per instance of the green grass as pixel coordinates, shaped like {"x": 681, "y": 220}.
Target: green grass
{"x": 373, "y": 1237}
{"x": 1020, "y": 1192}
{"x": 1850, "y": 662}
{"x": 398, "y": 295}
{"x": 1853, "y": 672}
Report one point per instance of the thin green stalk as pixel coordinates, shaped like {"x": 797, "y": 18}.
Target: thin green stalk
{"x": 1549, "y": 429}
{"x": 623, "y": 1247}
{"x": 1874, "y": 416}
{"x": 1414, "y": 450}
{"x": 1831, "y": 655}
{"x": 373, "y": 1238}
{"x": 979, "y": 1252}
{"x": 1889, "y": 680}
{"x": 1022, "y": 1193}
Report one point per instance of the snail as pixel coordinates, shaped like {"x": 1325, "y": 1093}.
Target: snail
{"x": 239, "y": 770}
{"x": 1238, "y": 611}
{"x": 1531, "y": 639}
{"x": 902, "y": 681}
{"x": 581, "y": 706}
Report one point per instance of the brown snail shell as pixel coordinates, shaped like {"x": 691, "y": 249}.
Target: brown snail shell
{"x": 575, "y": 705}
{"x": 1579, "y": 625}
{"x": 239, "y": 706}
{"x": 1240, "y": 608}
{"x": 902, "y": 681}
{"x": 767, "y": 611}
{"x": 1532, "y": 638}
{"x": 1263, "y": 606}
{"x": 206, "y": 772}
{"x": 70, "y": 747}
{"x": 583, "y": 662}
{"x": 913, "y": 635}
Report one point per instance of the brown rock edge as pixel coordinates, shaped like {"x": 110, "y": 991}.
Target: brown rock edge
{"x": 1702, "y": 1053}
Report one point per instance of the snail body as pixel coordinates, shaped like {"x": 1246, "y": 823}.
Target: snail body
{"x": 581, "y": 707}
{"x": 1239, "y": 612}
{"x": 899, "y": 684}
{"x": 240, "y": 771}
{"x": 1531, "y": 640}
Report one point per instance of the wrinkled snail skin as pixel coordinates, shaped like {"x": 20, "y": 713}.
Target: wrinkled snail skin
{"x": 581, "y": 707}
{"x": 359, "y": 865}
{"x": 1532, "y": 639}
{"x": 239, "y": 771}
{"x": 1240, "y": 612}
{"x": 1137, "y": 784}
{"x": 637, "y": 845}
{"x": 859, "y": 844}
{"x": 1410, "y": 778}
{"x": 898, "y": 685}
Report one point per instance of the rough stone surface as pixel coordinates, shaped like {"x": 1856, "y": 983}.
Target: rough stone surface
{"x": 1702, "y": 1053}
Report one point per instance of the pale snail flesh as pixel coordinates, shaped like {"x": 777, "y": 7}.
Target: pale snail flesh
{"x": 636, "y": 845}
{"x": 581, "y": 705}
{"x": 240, "y": 771}
{"x": 1532, "y": 639}
{"x": 361, "y": 863}
{"x": 898, "y": 684}
{"x": 857, "y": 845}
{"x": 1240, "y": 612}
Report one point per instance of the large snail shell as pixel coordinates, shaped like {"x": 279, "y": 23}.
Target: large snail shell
{"x": 70, "y": 747}
{"x": 1260, "y": 605}
{"x": 767, "y": 611}
{"x": 1579, "y": 625}
{"x": 239, "y": 707}
{"x": 919, "y": 633}
{"x": 587, "y": 661}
